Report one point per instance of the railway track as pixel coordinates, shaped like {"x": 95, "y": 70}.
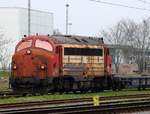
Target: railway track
{"x": 8, "y": 94}
{"x": 79, "y": 106}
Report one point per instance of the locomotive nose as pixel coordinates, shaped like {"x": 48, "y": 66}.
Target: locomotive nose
{"x": 28, "y": 64}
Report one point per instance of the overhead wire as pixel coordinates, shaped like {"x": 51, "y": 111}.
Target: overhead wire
{"x": 144, "y": 1}
{"x": 120, "y": 5}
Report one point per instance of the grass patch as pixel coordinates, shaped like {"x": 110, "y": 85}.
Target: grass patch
{"x": 70, "y": 96}
{"x": 4, "y": 80}
{"x": 4, "y": 85}
{"x": 4, "y": 74}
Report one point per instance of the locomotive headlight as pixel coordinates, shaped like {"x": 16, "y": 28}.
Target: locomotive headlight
{"x": 28, "y": 52}
{"x": 42, "y": 67}
{"x": 14, "y": 67}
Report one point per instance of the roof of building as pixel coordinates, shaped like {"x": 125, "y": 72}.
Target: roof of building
{"x": 26, "y": 9}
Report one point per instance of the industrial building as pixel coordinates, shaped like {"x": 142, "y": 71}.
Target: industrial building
{"x": 14, "y": 22}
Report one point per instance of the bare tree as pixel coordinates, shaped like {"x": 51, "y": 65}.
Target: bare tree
{"x": 4, "y": 51}
{"x": 117, "y": 35}
{"x": 138, "y": 36}
{"x": 4, "y": 58}
{"x": 135, "y": 35}
{"x": 141, "y": 43}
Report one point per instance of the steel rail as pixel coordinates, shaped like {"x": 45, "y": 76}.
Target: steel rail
{"x": 82, "y": 106}
{"x": 65, "y": 101}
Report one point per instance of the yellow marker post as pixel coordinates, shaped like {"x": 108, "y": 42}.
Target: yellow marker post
{"x": 96, "y": 100}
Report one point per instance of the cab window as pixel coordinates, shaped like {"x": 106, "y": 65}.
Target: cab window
{"x": 44, "y": 45}
{"x": 24, "y": 44}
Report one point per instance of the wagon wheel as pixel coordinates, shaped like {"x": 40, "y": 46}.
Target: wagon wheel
{"x": 81, "y": 87}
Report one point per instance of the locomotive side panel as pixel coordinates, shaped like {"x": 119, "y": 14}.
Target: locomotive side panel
{"x": 83, "y": 61}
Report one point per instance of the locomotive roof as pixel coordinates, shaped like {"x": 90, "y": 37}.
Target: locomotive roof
{"x": 73, "y": 39}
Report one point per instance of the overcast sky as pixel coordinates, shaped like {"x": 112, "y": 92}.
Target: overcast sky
{"x": 87, "y": 17}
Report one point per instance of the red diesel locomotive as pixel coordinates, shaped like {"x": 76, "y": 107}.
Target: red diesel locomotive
{"x": 60, "y": 63}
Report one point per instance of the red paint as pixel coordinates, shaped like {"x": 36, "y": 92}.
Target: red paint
{"x": 29, "y": 65}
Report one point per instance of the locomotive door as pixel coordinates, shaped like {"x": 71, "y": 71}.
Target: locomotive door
{"x": 107, "y": 60}
{"x": 59, "y": 59}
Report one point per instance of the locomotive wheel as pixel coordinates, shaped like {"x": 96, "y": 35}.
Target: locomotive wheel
{"x": 40, "y": 89}
{"x": 139, "y": 88}
{"x": 62, "y": 84}
{"x": 98, "y": 85}
{"x": 43, "y": 91}
{"x": 67, "y": 85}
{"x": 58, "y": 85}
{"x": 82, "y": 87}
{"x": 24, "y": 94}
